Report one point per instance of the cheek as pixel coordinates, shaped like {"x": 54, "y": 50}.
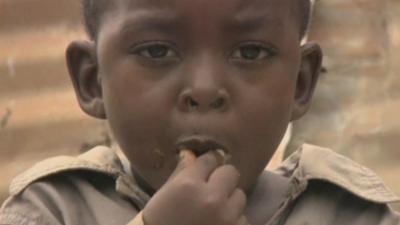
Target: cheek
{"x": 138, "y": 119}
{"x": 134, "y": 93}
{"x": 265, "y": 113}
{"x": 268, "y": 106}
{"x": 136, "y": 109}
{"x": 266, "y": 123}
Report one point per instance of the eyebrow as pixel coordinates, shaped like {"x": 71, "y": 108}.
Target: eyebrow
{"x": 144, "y": 20}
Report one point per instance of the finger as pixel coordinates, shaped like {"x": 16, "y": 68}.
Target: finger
{"x": 205, "y": 165}
{"x": 237, "y": 203}
{"x": 186, "y": 158}
{"x": 243, "y": 221}
{"x": 225, "y": 179}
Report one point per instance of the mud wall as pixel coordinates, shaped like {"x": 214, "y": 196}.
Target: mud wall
{"x": 357, "y": 103}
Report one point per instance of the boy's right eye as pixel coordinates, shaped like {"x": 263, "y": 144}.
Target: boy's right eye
{"x": 156, "y": 51}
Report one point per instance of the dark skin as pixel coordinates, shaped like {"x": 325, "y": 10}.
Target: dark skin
{"x": 231, "y": 75}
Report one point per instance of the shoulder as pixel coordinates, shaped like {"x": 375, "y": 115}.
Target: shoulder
{"x": 100, "y": 160}
{"x": 64, "y": 187}
{"x": 313, "y": 163}
{"x": 331, "y": 187}
{"x": 323, "y": 203}
{"x": 50, "y": 198}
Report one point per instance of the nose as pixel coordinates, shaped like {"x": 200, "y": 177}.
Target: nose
{"x": 203, "y": 100}
{"x": 204, "y": 92}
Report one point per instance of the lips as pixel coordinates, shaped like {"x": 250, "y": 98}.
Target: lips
{"x": 199, "y": 144}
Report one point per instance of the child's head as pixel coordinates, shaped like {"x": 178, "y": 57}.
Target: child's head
{"x": 197, "y": 74}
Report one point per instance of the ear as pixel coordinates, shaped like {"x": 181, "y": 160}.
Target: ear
{"x": 310, "y": 68}
{"x": 83, "y": 70}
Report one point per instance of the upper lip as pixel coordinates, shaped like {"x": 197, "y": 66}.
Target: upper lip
{"x": 199, "y": 144}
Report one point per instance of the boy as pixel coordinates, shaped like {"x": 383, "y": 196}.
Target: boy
{"x": 198, "y": 94}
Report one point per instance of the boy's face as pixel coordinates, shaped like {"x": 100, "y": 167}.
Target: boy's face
{"x": 196, "y": 74}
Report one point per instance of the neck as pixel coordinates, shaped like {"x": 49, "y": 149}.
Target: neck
{"x": 143, "y": 184}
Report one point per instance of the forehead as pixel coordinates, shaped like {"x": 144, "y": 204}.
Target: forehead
{"x": 244, "y": 13}
{"x": 220, "y": 6}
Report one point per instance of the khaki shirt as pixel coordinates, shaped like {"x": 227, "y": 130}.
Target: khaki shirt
{"x": 93, "y": 189}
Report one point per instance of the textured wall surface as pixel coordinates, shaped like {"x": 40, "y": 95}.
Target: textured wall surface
{"x": 39, "y": 116}
{"x": 357, "y": 104}
{"x": 355, "y": 111}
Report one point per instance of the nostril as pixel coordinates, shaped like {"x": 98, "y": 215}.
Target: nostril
{"x": 219, "y": 103}
{"x": 203, "y": 101}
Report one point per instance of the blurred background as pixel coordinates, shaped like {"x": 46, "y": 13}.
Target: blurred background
{"x": 355, "y": 111}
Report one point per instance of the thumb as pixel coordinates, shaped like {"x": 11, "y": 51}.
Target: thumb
{"x": 186, "y": 158}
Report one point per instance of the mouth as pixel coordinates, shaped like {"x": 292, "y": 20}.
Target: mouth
{"x": 200, "y": 145}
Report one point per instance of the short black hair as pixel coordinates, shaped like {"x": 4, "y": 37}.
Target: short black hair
{"x": 94, "y": 9}
{"x": 92, "y": 12}
{"x": 304, "y": 12}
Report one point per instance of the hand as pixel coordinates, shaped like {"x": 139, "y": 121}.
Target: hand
{"x": 200, "y": 192}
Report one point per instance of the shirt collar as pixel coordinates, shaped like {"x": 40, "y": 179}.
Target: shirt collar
{"x": 316, "y": 163}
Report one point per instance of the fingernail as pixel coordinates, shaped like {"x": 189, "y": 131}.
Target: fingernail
{"x": 223, "y": 156}
{"x": 221, "y": 153}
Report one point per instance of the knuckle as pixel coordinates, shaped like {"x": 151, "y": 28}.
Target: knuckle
{"x": 228, "y": 220}
{"x": 232, "y": 170}
{"x": 241, "y": 195}
{"x": 213, "y": 201}
{"x": 242, "y": 220}
{"x": 187, "y": 185}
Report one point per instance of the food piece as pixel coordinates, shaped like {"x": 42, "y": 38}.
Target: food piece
{"x": 190, "y": 156}
{"x": 187, "y": 155}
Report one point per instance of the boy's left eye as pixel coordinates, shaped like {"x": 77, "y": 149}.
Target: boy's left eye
{"x": 252, "y": 52}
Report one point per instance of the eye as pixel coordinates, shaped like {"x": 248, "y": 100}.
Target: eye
{"x": 253, "y": 52}
{"x": 156, "y": 51}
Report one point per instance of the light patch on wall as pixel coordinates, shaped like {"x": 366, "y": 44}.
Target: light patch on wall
{"x": 11, "y": 66}
{"x": 394, "y": 32}
{"x": 31, "y": 46}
